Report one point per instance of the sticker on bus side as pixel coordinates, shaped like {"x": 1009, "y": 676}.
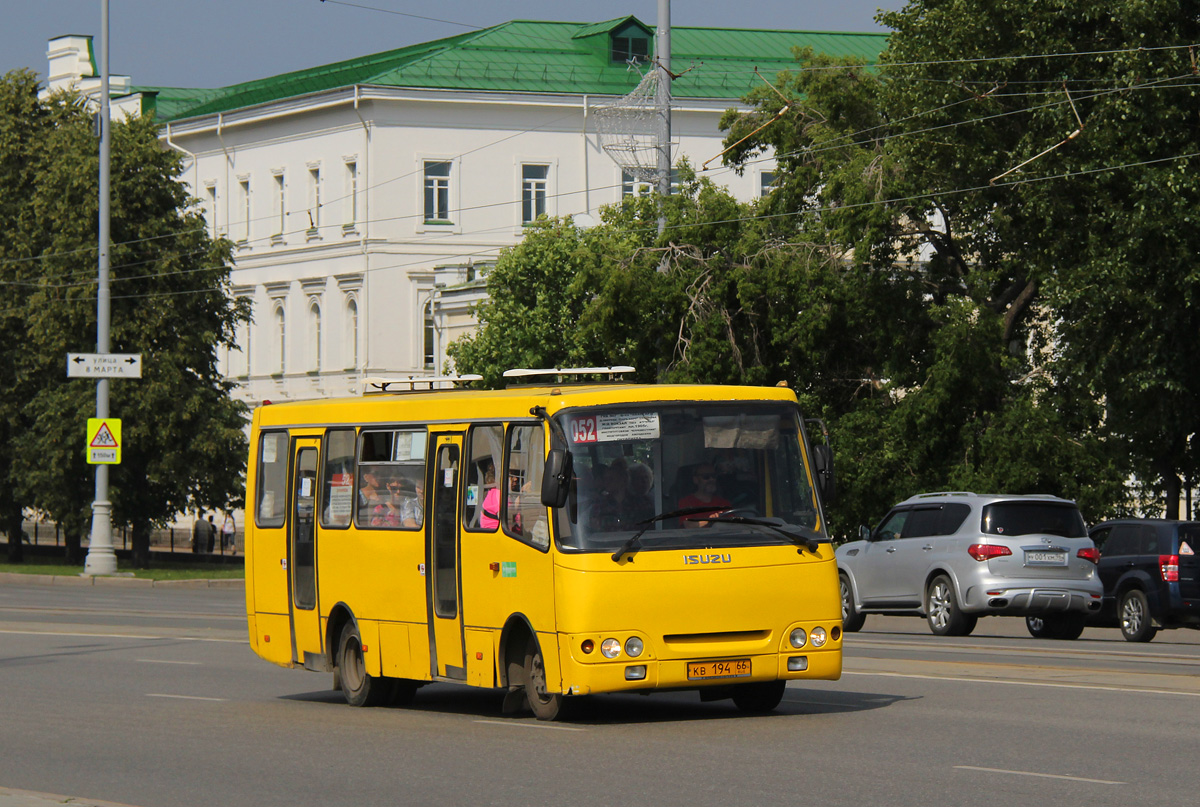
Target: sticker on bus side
{"x": 615, "y": 427}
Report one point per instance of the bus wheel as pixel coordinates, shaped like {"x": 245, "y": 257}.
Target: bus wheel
{"x": 543, "y": 704}
{"x": 359, "y": 687}
{"x": 760, "y": 697}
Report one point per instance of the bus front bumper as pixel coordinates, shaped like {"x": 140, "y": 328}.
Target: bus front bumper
{"x": 642, "y": 674}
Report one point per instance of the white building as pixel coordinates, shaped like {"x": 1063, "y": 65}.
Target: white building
{"x": 367, "y": 198}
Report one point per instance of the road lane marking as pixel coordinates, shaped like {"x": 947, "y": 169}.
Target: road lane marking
{"x": 1024, "y": 683}
{"x": 123, "y": 636}
{"x": 184, "y": 697}
{"x": 979, "y": 649}
{"x": 164, "y": 661}
{"x": 1040, "y": 775}
{"x": 518, "y": 724}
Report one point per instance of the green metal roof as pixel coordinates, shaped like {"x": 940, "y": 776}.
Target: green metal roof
{"x": 536, "y": 57}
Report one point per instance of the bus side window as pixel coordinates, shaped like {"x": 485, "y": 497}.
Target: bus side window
{"x": 523, "y": 513}
{"x": 485, "y": 454}
{"x": 391, "y": 479}
{"x": 337, "y": 484}
{"x": 271, "y": 479}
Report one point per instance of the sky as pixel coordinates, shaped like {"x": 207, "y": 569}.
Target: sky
{"x": 215, "y": 43}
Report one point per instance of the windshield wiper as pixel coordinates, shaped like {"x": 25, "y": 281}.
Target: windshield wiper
{"x": 635, "y": 539}
{"x": 802, "y": 537}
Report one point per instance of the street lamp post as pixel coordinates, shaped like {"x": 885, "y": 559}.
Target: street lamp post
{"x": 101, "y": 559}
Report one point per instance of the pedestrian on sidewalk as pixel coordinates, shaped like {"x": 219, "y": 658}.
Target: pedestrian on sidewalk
{"x": 228, "y": 531}
{"x": 199, "y": 533}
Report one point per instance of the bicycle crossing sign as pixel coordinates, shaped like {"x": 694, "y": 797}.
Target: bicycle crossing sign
{"x": 104, "y": 441}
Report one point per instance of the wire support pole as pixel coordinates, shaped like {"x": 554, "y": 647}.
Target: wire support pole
{"x": 663, "y": 48}
{"x": 101, "y": 559}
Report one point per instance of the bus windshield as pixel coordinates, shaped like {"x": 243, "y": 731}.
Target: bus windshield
{"x": 633, "y": 463}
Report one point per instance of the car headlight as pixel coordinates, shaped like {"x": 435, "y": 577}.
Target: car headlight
{"x": 610, "y": 648}
{"x": 634, "y": 646}
{"x": 798, "y": 637}
{"x": 818, "y": 637}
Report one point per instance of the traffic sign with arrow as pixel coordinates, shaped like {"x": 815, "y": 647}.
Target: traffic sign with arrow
{"x": 104, "y": 365}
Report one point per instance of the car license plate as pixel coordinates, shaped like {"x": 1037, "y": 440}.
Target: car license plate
{"x": 736, "y": 668}
{"x": 1044, "y": 558}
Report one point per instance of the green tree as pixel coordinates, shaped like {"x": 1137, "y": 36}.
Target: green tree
{"x": 23, "y": 121}
{"x": 1096, "y": 104}
{"x": 184, "y": 444}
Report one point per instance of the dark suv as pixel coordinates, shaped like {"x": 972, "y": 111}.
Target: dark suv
{"x": 1151, "y": 575}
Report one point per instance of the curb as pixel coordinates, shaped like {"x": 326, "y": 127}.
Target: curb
{"x": 116, "y": 582}
{"x": 28, "y": 798}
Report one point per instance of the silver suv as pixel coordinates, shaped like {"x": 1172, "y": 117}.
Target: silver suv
{"x": 955, "y": 557}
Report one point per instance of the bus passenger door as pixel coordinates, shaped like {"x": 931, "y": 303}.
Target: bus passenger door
{"x": 302, "y": 555}
{"x": 442, "y": 578}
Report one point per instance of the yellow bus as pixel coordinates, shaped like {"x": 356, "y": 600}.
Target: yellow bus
{"x": 550, "y": 539}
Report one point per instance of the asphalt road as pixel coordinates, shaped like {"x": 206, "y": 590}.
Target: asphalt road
{"x": 152, "y": 697}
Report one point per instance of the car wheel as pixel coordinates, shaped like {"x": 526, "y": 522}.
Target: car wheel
{"x": 1038, "y": 627}
{"x": 942, "y": 611}
{"x": 759, "y": 697}
{"x": 1133, "y": 611}
{"x": 1069, "y": 626}
{"x": 852, "y": 620}
{"x": 358, "y": 686}
{"x": 1056, "y": 626}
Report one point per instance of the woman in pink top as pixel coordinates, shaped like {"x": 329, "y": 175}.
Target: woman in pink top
{"x": 490, "y": 519}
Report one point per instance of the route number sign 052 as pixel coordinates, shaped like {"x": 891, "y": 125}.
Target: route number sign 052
{"x": 615, "y": 427}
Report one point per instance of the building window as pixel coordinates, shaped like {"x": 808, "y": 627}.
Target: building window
{"x": 533, "y": 192}
{"x": 244, "y": 230}
{"x": 437, "y": 191}
{"x": 211, "y": 211}
{"x": 630, "y": 48}
{"x": 632, "y": 186}
{"x": 351, "y": 334}
{"x": 766, "y": 182}
{"x": 280, "y": 207}
{"x": 280, "y": 339}
{"x": 314, "y": 323}
{"x": 314, "y": 201}
{"x": 430, "y": 359}
{"x": 351, "y": 206}
{"x": 245, "y": 332}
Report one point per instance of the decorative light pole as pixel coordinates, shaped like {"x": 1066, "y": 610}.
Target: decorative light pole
{"x": 101, "y": 559}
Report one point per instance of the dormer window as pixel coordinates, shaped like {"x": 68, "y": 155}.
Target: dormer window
{"x": 630, "y": 45}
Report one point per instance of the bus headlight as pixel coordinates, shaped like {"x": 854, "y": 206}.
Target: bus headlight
{"x": 799, "y": 637}
{"x": 818, "y": 637}
{"x": 634, "y": 646}
{"x": 610, "y": 648}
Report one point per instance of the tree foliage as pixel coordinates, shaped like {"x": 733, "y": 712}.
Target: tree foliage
{"x": 960, "y": 324}
{"x": 184, "y": 444}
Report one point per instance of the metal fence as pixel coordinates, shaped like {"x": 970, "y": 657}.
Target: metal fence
{"x": 172, "y": 539}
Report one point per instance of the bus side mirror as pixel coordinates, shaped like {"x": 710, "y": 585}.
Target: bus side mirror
{"x": 556, "y": 478}
{"x": 823, "y": 466}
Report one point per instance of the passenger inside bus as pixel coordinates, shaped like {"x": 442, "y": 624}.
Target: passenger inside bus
{"x": 705, "y": 494}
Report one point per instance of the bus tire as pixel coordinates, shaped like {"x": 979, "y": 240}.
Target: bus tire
{"x": 544, "y": 705}
{"x": 759, "y": 697}
{"x": 358, "y": 686}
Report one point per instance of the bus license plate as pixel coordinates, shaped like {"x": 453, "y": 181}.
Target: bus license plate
{"x": 736, "y": 668}
{"x": 1033, "y": 558}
